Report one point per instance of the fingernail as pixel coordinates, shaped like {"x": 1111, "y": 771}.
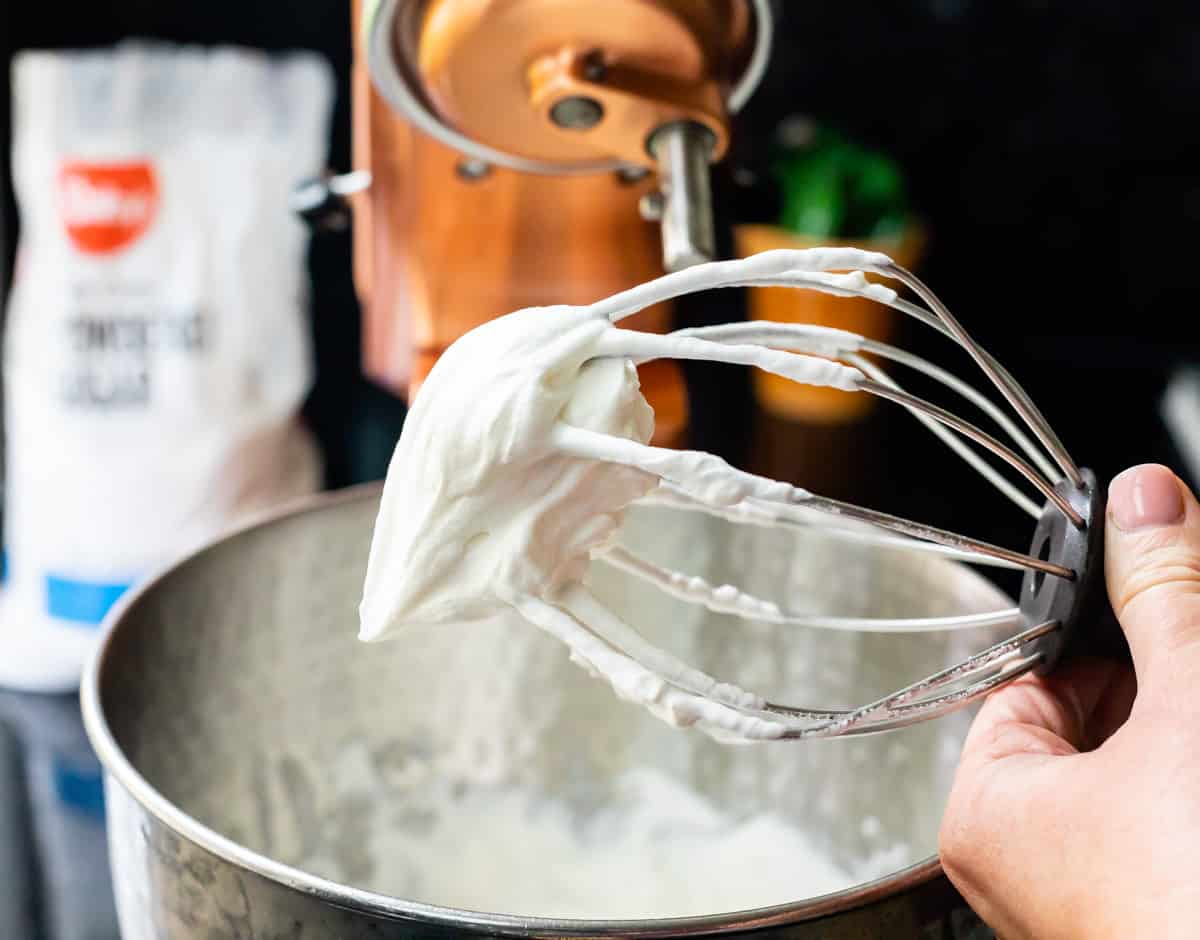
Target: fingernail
{"x": 1145, "y": 497}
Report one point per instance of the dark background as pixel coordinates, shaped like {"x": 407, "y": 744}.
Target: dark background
{"x": 1047, "y": 145}
{"x": 1049, "y": 148}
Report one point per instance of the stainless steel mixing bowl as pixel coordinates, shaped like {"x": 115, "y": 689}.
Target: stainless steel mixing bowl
{"x": 254, "y": 749}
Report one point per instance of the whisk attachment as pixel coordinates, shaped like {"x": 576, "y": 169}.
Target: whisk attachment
{"x": 1052, "y": 608}
{"x": 543, "y": 406}
{"x": 1061, "y": 577}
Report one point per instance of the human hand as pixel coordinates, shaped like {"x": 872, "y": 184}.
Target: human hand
{"x": 1076, "y": 808}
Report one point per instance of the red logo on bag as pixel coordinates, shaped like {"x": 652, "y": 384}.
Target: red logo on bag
{"x": 106, "y": 206}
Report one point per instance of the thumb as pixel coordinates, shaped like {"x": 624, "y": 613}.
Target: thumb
{"x": 1152, "y": 567}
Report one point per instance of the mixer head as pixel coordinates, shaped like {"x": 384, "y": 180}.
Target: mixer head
{"x": 580, "y": 87}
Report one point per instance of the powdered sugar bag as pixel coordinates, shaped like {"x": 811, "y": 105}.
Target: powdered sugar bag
{"x": 156, "y": 346}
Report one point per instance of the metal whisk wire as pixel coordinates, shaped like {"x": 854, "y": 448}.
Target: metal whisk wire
{"x": 1053, "y": 590}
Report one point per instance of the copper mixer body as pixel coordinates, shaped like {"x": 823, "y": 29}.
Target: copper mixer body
{"x": 445, "y": 240}
{"x": 646, "y": 63}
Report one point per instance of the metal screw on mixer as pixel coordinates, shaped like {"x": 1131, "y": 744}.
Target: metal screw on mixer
{"x": 471, "y": 170}
{"x": 650, "y": 206}
{"x": 323, "y": 202}
{"x": 627, "y": 175}
{"x": 577, "y": 113}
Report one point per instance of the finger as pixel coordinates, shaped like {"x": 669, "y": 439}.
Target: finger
{"x": 1114, "y": 704}
{"x": 1051, "y": 715}
{"x": 1152, "y": 567}
{"x": 1013, "y": 776}
{"x": 1094, "y": 698}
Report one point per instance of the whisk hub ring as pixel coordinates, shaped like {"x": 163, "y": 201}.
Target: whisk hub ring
{"x": 1081, "y": 549}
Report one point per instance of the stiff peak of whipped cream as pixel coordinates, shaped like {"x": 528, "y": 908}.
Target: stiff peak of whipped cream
{"x": 479, "y": 508}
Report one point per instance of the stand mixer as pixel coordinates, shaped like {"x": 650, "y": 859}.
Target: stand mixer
{"x": 514, "y": 153}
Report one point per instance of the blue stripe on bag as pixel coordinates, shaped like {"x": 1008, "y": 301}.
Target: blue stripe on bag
{"x": 80, "y": 787}
{"x": 82, "y": 602}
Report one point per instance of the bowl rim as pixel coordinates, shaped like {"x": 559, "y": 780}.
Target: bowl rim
{"x": 119, "y": 767}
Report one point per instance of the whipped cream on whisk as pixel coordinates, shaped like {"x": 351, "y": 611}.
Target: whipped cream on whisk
{"x": 480, "y": 509}
{"x": 483, "y": 509}
{"x": 528, "y": 441}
